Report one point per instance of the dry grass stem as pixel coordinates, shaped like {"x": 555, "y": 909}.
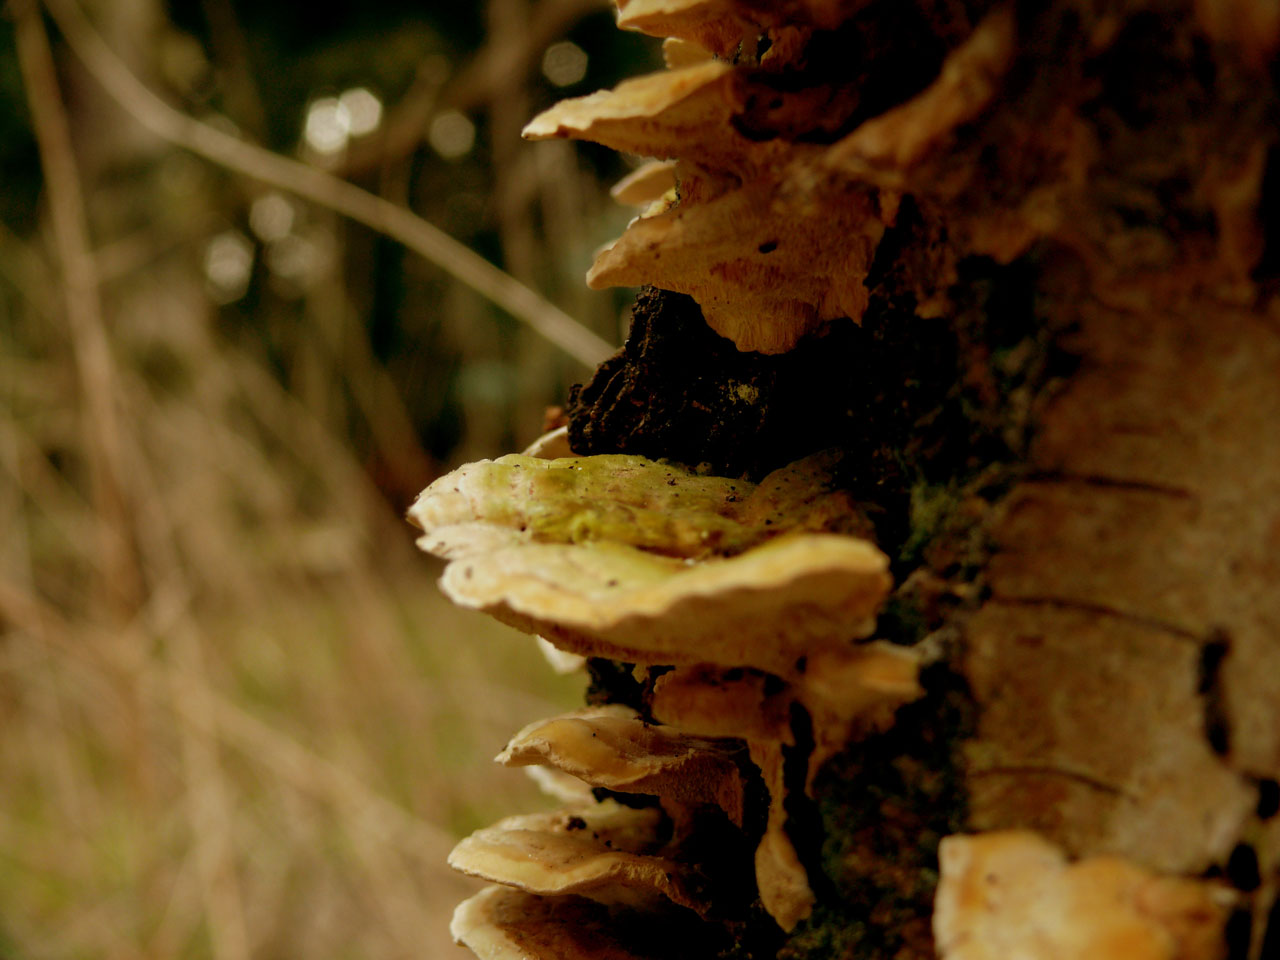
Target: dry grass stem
{"x": 99, "y": 400}
{"x": 267, "y": 743}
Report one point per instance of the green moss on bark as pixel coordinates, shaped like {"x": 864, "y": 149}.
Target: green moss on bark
{"x": 884, "y": 805}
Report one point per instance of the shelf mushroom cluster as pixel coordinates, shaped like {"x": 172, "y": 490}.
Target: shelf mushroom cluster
{"x": 739, "y": 603}
{"x": 742, "y": 606}
{"x": 753, "y": 176}
{"x": 654, "y": 563}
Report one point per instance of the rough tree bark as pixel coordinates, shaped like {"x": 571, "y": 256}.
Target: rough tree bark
{"x": 1020, "y": 263}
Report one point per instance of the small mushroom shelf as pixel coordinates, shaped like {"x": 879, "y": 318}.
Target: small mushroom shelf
{"x": 741, "y": 605}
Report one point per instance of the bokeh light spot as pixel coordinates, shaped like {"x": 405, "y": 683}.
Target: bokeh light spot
{"x": 451, "y": 134}
{"x": 328, "y": 126}
{"x": 564, "y": 63}
{"x": 228, "y": 263}
{"x": 364, "y": 110}
{"x": 271, "y": 217}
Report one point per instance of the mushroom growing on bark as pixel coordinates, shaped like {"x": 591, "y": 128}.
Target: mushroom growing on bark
{"x": 612, "y": 748}
{"x": 844, "y": 696}
{"x": 625, "y": 557}
{"x": 504, "y": 923}
{"x": 606, "y": 852}
{"x": 1018, "y": 264}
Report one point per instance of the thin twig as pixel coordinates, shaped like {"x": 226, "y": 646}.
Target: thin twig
{"x": 92, "y": 352}
{"x": 322, "y": 188}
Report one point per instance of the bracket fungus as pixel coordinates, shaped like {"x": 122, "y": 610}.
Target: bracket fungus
{"x": 845, "y": 695}
{"x": 722, "y": 241}
{"x": 606, "y": 852}
{"x": 550, "y": 445}
{"x": 612, "y": 748}
{"x": 685, "y": 112}
{"x": 652, "y": 563}
{"x": 846, "y": 692}
{"x": 657, "y": 506}
{"x": 762, "y": 287}
{"x": 769, "y": 607}
{"x": 783, "y": 881}
{"x": 1014, "y": 894}
{"x": 647, "y": 562}
{"x": 561, "y": 786}
{"x": 717, "y": 26}
{"x": 646, "y": 184}
{"x": 503, "y": 923}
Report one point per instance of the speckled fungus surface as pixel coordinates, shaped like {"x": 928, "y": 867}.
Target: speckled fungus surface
{"x": 648, "y": 562}
{"x": 663, "y": 508}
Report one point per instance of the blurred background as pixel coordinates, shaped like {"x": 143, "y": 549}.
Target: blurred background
{"x": 236, "y": 719}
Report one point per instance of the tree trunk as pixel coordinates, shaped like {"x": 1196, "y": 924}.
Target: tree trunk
{"x": 1058, "y": 387}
